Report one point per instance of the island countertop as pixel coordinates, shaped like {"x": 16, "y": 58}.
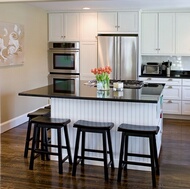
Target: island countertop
{"x": 149, "y": 93}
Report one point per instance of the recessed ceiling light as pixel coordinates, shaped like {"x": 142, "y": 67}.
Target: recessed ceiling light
{"x": 86, "y": 8}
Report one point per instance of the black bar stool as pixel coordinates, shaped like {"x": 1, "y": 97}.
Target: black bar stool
{"x": 93, "y": 127}
{"x": 138, "y": 131}
{"x": 39, "y": 112}
{"x": 43, "y": 123}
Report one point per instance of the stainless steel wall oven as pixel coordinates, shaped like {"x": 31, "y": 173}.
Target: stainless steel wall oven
{"x": 63, "y": 57}
{"x": 63, "y": 83}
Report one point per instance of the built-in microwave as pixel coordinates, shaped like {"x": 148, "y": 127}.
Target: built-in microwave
{"x": 63, "y": 57}
{"x": 63, "y": 83}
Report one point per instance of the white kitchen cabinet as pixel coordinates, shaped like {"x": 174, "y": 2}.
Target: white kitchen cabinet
{"x": 118, "y": 22}
{"x": 64, "y": 27}
{"x": 88, "y": 27}
{"x": 186, "y": 96}
{"x": 186, "y": 107}
{"x": 88, "y": 59}
{"x": 158, "y": 33}
{"x": 172, "y": 94}
{"x": 182, "y": 33}
{"x": 172, "y": 107}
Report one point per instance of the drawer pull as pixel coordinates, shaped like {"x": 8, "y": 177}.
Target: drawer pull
{"x": 149, "y": 78}
{"x": 170, "y": 79}
{"x": 169, "y": 87}
{"x": 169, "y": 101}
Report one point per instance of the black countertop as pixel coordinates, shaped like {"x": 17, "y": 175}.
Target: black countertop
{"x": 149, "y": 93}
{"x": 174, "y": 74}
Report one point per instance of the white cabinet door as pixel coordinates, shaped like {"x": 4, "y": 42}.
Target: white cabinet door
{"x": 172, "y": 92}
{"x": 158, "y": 33}
{"x": 56, "y": 27}
{"x": 88, "y": 59}
{"x": 171, "y": 107}
{"x": 107, "y": 21}
{"x": 128, "y": 22}
{"x": 166, "y": 34}
{"x": 149, "y": 35}
{"x": 182, "y": 33}
{"x": 71, "y": 26}
{"x": 186, "y": 107}
{"x": 185, "y": 93}
{"x": 88, "y": 26}
{"x": 63, "y": 27}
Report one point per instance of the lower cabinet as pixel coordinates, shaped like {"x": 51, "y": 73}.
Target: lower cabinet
{"x": 172, "y": 106}
{"x": 88, "y": 59}
{"x": 176, "y": 94}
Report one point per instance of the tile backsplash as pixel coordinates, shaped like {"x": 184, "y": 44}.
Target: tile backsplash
{"x": 178, "y": 62}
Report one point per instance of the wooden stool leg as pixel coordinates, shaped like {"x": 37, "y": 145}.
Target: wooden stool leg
{"x": 42, "y": 143}
{"x": 156, "y": 156}
{"x": 152, "y": 160}
{"x": 83, "y": 147}
{"x": 59, "y": 150}
{"x": 34, "y": 141}
{"x": 105, "y": 156}
{"x": 68, "y": 144}
{"x": 110, "y": 148}
{"x": 121, "y": 157}
{"x": 76, "y": 152}
{"x": 126, "y": 150}
{"x": 27, "y": 138}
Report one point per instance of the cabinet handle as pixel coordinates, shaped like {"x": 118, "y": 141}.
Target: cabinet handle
{"x": 170, "y": 79}
{"x": 157, "y": 49}
{"x": 118, "y": 26}
{"x": 149, "y": 78}
{"x": 169, "y": 101}
{"x": 115, "y": 26}
{"x": 169, "y": 87}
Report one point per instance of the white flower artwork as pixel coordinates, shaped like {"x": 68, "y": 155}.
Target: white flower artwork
{"x": 11, "y": 44}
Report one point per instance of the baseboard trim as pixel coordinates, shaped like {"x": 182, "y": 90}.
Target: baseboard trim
{"x": 13, "y": 123}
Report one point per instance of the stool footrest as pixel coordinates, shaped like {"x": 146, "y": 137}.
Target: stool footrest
{"x": 137, "y": 163}
{"x": 96, "y": 151}
{"x": 139, "y": 155}
{"x": 91, "y": 158}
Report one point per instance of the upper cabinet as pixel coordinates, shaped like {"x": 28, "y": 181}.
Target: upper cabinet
{"x": 118, "y": 22}
{"x": 63, "y": 26}
{"x": 183, "y": 33}
{"x": 158, "y": 33}
{"x": 88, "y": 27}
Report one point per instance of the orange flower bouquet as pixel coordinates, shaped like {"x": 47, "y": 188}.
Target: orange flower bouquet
{"x": 102, "y": 77}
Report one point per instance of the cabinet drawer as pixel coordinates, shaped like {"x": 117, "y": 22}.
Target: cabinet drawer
{"x": 186, "y": 107}
{"x": 171, "y": 107}
{"x": 167, "y": 81}
{"x": 185, "y": 93}
{"x": 186, "y": 82}
{"x": 172, "y": 92}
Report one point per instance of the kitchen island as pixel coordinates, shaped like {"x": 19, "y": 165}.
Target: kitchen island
{"x": 142, "y": 106}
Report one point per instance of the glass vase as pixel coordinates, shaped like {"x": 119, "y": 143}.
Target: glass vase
{"x": 103, "y": 85}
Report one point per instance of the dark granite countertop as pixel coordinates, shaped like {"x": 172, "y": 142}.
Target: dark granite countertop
{"x": 174, "y": 74}
{"x": 149, "y": 93}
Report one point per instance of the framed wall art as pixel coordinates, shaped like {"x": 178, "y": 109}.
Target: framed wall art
{"x": 11, "y": 44}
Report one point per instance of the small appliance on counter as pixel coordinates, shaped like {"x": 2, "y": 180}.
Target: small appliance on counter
{"x": 151, "y": 68}
{"x": 166, "y": 68}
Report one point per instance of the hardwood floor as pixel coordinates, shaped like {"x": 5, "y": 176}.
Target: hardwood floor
{"x": 174, "y": 165}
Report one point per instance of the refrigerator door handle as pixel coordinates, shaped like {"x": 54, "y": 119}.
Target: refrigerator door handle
{"x": 119, "y": 59}
{"x": 115, "y": 58}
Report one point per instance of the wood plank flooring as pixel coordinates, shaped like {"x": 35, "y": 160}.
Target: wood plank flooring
{"x": 174, "y": 165}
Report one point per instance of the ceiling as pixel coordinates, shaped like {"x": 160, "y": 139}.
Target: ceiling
{"x": 64, "y": 5}
{"x": 112, "y": 4}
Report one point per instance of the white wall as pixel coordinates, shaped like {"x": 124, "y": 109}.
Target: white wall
{"x": 33, "y": 73}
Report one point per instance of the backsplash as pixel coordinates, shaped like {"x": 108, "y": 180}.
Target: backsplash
{"x": 178, "y": 62}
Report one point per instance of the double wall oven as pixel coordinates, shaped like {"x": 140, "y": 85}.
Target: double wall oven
{"x": 63, "y": 63}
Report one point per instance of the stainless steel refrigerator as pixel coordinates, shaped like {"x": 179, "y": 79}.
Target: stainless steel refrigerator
{"x": 121, "y": 53}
